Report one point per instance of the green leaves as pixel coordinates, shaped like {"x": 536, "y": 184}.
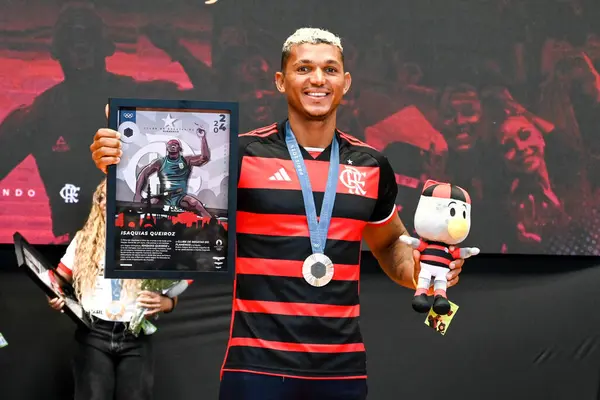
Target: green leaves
{"x": 157, "y": 285}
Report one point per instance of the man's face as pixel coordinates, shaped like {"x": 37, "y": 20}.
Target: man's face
{"x": 461, "y": 116}
{"x": 80, "y": 47}
{"x": 83, "y": 48}
{"x": 314, "y": 80}
{"x": 523, "y": 145}
{"x": 173, "y": 146}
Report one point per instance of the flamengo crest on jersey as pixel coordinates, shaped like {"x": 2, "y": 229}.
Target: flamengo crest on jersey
{"x": 281, "y": 324}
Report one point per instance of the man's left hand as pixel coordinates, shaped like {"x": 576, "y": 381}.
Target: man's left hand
{"x": 453, "y": 274}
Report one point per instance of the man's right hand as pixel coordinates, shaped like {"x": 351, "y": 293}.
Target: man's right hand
{"x": 56, "y": 303}
{"x": 106, "y": 148}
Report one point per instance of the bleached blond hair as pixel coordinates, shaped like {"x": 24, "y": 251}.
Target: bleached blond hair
{"x": 91, "y": 244}
{"x": 309, "y": 36}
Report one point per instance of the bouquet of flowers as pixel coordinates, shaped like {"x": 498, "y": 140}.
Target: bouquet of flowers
{"x": 138, "y": 321}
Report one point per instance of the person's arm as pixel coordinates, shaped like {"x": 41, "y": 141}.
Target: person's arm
{"x": 165, "y": 37}
{"x": 65, "y": 271}
{"x": 204, "y": 156}
{"x": 155, "y": 303}
{"x": 395, "y": 257}
{"x": 385, "y": 227}
{"x": 398, "y": 260}
{"x": 106, "y": 147}
{"x": 174, "y": 301}
{"x": 166, "y": 303}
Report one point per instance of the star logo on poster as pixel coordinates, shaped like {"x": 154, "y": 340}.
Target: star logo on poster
{"x": 169, "y": 121}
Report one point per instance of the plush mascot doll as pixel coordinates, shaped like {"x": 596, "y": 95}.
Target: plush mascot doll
{"x": 442, "y": 219}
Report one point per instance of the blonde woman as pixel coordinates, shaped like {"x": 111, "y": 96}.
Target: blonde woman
{"x": 110, "y": 362}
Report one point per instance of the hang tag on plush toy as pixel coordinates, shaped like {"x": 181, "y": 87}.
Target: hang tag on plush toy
{"x": 442, "y": 221}
{"x": 441, "y": 323}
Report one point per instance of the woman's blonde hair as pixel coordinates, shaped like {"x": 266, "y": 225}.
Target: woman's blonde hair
{"x": 91, "y": 245}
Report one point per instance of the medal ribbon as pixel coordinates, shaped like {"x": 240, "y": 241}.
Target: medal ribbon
{"x": 116, "y": 285}
{"x": 318, "y": 230}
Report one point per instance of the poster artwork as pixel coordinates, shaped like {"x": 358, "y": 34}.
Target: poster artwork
{"x": 172, "y": 185}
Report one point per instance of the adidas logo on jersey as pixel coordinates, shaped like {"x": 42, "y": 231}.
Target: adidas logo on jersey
{"x": 280, "y": 175}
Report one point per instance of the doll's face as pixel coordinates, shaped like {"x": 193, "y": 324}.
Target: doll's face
{"x": 443, "y": 220}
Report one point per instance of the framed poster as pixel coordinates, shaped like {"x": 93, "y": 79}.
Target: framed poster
{"x": 44, "y": 275}
{"x": 171, "y": 199}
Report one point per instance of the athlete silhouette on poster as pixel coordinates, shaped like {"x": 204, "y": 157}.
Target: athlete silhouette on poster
{"x": 174, "y": 170}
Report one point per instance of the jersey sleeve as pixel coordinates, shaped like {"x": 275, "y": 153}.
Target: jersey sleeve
{"x": 67, "y": 261}
{"x": 455, "y": 253}
{"x": 385, "y": 207}
{"x": 178, "y": 288}
{"x": 422, "y": 245}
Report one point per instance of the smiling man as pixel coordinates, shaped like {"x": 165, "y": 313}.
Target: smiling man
{"x": 307, "y": 195}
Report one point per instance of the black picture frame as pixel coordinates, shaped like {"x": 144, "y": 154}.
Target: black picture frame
{"x": 37, "y": 267}
{"x": 170, "y": 266}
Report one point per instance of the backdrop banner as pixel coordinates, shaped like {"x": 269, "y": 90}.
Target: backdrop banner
{"x": 500, "y": 97}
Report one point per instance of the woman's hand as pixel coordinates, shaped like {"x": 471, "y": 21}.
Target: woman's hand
{"x": 154, "y": 303}
{"x": 56, "y": 303}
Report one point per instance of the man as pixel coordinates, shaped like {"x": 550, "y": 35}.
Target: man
{"x": 174, "y": 170}
{"x": 295, "y": 331}
{"x": 50, "y": 128}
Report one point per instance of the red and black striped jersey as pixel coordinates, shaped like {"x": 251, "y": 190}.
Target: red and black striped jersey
{"x": 437, "y": 254}
{"x": 282, "y": 325}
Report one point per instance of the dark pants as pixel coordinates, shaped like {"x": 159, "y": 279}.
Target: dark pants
{"x": 247, "y": 386}
{"x": 110, "y": 363}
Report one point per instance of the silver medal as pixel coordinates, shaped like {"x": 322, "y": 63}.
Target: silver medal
{"x": 318, "y": 270}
